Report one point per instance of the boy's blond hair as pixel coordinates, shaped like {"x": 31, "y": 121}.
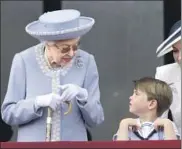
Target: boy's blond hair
{"x": 156, "y": 89}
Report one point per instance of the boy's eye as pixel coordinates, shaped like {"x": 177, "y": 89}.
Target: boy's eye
{"x": 135, "y": 92}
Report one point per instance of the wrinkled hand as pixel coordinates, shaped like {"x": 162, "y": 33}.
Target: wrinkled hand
{"x": 49, "y": 100}
{"x": 70, "y": 91}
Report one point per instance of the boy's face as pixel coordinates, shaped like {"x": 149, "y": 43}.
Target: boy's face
{"x": 139, "y": 104}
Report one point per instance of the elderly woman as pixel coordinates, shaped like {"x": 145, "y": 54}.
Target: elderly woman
{"x": 54, "y": 75}
{"x": 171, "y": 73}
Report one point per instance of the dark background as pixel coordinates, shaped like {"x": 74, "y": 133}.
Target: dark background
{"x": 123, "y": 40}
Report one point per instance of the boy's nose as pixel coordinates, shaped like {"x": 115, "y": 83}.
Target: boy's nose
{"x": 130, "y": 98}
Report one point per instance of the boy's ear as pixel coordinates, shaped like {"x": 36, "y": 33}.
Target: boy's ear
{"x": 152, "y": 104}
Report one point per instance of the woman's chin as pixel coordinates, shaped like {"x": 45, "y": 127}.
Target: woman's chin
{"x": 63, "y": 63}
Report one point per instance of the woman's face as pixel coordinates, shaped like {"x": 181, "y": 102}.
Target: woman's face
{"x": 177, "y": 52}
{"x": 61, "y": 52}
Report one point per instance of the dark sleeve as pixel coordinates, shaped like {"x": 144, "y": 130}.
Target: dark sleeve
{"x": 6, "y": 131}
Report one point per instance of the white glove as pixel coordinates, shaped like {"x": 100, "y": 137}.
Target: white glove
{"x": 49, "y": 100}
{"x": 70, "y": 91}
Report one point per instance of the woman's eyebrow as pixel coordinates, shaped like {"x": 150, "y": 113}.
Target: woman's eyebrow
{"x": 175, "y": 48}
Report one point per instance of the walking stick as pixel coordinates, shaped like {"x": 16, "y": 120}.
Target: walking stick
{"x": 49, "y": 121}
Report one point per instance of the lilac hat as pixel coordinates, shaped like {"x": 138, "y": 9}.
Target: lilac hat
{"x": 60, "y": 25}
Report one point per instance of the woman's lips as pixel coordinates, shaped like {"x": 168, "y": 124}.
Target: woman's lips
{"x": 66, "y": 59}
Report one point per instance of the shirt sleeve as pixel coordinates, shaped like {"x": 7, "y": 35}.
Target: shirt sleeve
{"x": 176, "y": 131}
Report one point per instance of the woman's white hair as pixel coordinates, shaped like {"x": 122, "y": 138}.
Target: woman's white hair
{"x": 53, "y": 42}
{"x": 49, "y": 42}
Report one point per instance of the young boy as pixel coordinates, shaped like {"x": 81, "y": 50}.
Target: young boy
{"x": 151, "y": 97}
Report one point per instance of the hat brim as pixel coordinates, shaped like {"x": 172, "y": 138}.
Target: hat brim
{"x": 39, "y": 31}
{"x": 166, "y": 46}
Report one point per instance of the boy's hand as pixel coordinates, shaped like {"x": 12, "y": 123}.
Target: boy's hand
{"x": 169, "y": 133}
{"x": 122, "y": 133}
{"x": 129, "y": 122}
{"x": 162, "y": 122}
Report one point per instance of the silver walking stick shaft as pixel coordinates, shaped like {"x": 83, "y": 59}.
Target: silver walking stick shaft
{"x": 48, "y": 125}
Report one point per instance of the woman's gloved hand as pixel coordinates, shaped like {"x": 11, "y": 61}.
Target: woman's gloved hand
{"x": 71, "y": 91}
{"x": 49, "y": 100}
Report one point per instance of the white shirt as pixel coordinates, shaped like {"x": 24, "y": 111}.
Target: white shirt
{"x": 171, "y": 74}
{"x": 147, "y": 131}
